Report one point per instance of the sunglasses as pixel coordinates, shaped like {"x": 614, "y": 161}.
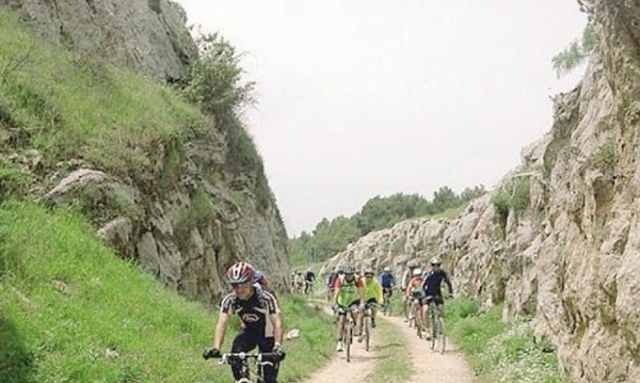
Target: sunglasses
{"x": 239, "y": 285}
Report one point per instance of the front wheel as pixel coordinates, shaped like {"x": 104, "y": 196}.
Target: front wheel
{"x": 348, "y": 339}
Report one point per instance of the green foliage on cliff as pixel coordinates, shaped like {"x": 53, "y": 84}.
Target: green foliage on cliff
{"x": 75, "y": 106}
{"x": 330, "y": 237}
{"x": 71, "y": 311}
{"x": 579, "y": 50}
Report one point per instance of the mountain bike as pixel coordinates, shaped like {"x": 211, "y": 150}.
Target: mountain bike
{"x": 249, "y": 374}
{"x": 438, "y": 335}
{"x": 347, "y": 333}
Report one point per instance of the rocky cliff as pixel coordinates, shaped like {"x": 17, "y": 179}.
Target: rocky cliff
{"x": 186, "y": 208}
{"x": 149, "y": 36}
{"x": 557, "y": 239}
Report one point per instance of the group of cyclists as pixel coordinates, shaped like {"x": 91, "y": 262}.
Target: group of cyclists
{"x": 350, "y": 293}
{"x": 302, "y": 283}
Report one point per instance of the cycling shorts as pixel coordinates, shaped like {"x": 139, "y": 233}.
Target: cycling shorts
{"x": 342, "y": 310}
{"x": 436, "y": 298}
{"x": 387, "y": 291}
{"x": 372, "y": 301}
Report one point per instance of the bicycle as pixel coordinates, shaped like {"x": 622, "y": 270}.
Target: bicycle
{"x": 347, "y": 332}
{"x": 438, "y": 335}
{"x": 367, "y": 324}
{"x": 248, "y": 374}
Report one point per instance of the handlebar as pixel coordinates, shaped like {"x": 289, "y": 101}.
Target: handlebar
{"x": 261, "y": 358}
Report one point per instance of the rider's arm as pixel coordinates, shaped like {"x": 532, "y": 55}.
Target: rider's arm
{"x": 378, "y": 291}
{"x": 361, "y": 291}
{"x": 409, "y": 286}
{"x": 278, "y": 328}
{"x": 221, "y": 328}
{"x": 448, "y": 282}
{"x": 337, "y": 285}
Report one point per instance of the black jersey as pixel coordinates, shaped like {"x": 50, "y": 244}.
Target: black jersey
{"x": 433, "y": 281}
{"x": 254, "y": 312}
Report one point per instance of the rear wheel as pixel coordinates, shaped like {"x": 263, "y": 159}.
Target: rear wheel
{"x": 367, "y": 332}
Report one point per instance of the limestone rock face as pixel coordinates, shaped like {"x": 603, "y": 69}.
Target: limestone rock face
{"x": 566, "y": 251}
{"x": 186, "y": 221}
{"x": 148, "y": 36}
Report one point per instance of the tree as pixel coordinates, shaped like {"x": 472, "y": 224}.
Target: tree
{"x": 579, "y": 50}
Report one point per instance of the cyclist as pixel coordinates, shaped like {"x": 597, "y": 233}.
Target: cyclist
{"x": 348, "y": 297}
{"x": 309, "y": 278}
{"x": 388, "y": 283}
{"x": 260, "y": 312}
{"x": 406, "y": 277}
{"x": 372, "y": 294}
{"x": 330, "y": 279}
{"x": 261, "y": 281}
{"x": 415, "y": 293}
{"x": 431, "y": 286}
{"x": 298, "y": 282}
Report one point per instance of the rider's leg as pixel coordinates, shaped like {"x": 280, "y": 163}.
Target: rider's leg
{"x": 242, "y": 343}
{"x": 405, "y": 302}
{"x": 269, "y": 372}
{"x": 425, "y": 315}
{"x": 357, "y": 318}
{"x": 341, "y": 320}
{"x": 374, "y": 303}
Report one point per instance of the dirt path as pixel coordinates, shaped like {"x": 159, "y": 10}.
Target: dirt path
{"x": 341, "y": 371}
{"x": 431, "y": 366}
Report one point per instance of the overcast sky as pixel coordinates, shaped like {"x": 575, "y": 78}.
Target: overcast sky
{"x": 359, "y": 98}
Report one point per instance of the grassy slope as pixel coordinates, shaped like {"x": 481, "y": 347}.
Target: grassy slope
{"x": 66, "y": 299}
{"x": 500, "y": 352}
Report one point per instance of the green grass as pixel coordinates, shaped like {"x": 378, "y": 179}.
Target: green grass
{"x": 392, "y": 364}
{"x": 500, "y": 352}
{"x": 76, "y": 106}
{"x": 65, "y": 300}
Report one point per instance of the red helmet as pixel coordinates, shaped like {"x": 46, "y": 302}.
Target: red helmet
{"x": 240, "y": 272}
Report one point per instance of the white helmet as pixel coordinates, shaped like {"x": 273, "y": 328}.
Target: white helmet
{"x": 436, "y": 261}
{"x": 387, "y": 269}
{"x": 417, "y": 272}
